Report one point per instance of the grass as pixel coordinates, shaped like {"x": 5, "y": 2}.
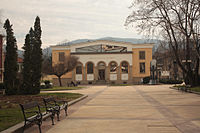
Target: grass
{"x": 120, "y": 85}
{"x": 10, "y": 112}
{"x": 197, "y": 89}
{"x": 58, "y": 88}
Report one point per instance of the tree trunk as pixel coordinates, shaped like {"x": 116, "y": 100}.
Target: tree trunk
{"x": 59, "y": 79}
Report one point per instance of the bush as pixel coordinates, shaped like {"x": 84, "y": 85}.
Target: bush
{"x": 47, "y": 84}
{"x": 146, "y": 80}
{"x": 43, "y": 86}
{"x": 170, "y": 81}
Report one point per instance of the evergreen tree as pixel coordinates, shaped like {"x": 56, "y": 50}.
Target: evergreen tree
{"x": 27, "y": 69}
{"x": 10, "y": 64}
{"x": 37, "y": 56}
{"x": 32, "y": 60}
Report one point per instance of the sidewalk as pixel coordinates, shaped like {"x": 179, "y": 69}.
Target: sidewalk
{"x": 134, "y": 109}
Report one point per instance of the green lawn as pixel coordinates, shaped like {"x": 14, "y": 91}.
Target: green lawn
{"x": 120, "y": 84}
{"x": 58, "y": 88}
{"x": 10, "y": 112}
{"x": 197, "y": 89}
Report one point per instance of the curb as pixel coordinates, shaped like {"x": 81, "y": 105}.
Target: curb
{"x": 198, "y": 93}
{"x": 20, "y": 125}
{"x": 77, "y": 100}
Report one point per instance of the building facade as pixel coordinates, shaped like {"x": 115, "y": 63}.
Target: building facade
{"x": 105, "y": 62}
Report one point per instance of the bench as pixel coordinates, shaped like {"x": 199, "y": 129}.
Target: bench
{"x": 72, "y": 84}
{"x": 52, "y": 106}
{"x": 31, "y": 109}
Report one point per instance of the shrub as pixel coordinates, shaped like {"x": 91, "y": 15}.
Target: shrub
{"x": 170, "y": 81}
{"x": 47, "y": 84}
{"x": 43, "y": 86}
{"x": 146, "y": 80}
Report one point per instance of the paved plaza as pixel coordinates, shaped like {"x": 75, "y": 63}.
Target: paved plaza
{"x": 132, "y": 109}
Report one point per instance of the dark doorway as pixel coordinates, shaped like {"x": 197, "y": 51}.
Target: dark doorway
{"x": 101, "y": 74}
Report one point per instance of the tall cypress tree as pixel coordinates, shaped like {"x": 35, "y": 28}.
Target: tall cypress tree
{"x": 10, "y": 64}
{"x": 32, "y": 60}
{"x": 37, "y": 56}
{"x": 27, "y": 65}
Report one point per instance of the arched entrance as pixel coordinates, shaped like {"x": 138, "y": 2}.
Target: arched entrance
{"x": 101, "y": 70}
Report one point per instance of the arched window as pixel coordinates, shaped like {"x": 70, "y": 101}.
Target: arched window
{"x": 79, "y": 68}
{"x": 124, "y": 67}
{"x": 101, "y": 65}
{"x": 90, "y": 68}
{"x": 113, "y": 67}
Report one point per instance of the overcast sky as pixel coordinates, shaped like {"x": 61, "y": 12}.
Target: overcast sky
{"x": 69, "y": 19}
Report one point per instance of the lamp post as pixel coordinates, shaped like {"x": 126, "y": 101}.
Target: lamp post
{"x": 175, "y": 70}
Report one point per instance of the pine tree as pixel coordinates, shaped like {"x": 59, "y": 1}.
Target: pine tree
{"x": 27, "y": 69}
{"x": 37, "y": 56}
{"x": 32, "y": 60}
{"x": 10, "y": 64}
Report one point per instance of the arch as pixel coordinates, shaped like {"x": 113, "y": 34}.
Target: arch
{"x": 90, "y": 67}
{"x": 124, "y": 67}
{"x": 101, "y": 65}
{"x": 101, "y": 70}
{"x": 113, "y": 67}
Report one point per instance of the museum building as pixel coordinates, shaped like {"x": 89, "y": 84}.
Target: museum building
{"x": 105, "y": 62}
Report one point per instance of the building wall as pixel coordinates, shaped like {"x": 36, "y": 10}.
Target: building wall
{"x": 55, "y": 60}
{"x": 131, "y": 57}
{"x": 107, "y": 58}
{"x": 136, "y": 63}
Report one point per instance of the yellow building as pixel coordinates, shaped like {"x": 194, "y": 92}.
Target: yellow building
{"x": 105, "y": 61}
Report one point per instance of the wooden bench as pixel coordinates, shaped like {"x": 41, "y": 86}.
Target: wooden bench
{"x": 52, "y": 106}
{"x": 31, "y": 109}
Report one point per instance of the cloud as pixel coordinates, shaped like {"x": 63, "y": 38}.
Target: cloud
{"x": 69, "y": 19}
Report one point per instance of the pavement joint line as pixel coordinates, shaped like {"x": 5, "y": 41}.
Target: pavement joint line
{"x": 194, "y": 92}
{"x": 174, "y": 118}
{"x": 90, "y": 97}
{"x": 93, "y": 118}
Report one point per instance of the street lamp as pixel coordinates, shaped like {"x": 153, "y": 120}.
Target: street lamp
{"x": 175, "y": 69}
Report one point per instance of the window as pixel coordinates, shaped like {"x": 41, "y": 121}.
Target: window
{"x": 101, "y": 48}
{"x": 142, "y": 67}
{"x": 89, "y": 68}
{"x": 113, "y": 67}
{"x": 79, "y": 69}
{"x": 101, "y": 65}
{"x": 142, "y": 55}
{"x": 124, "y": 67}
{"x": 61, "y": 56}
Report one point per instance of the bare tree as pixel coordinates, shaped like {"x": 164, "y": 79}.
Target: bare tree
{"x": 1, "y": 24}
{"x": 62, "y": 68}
{"x": 178, "y": 22}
